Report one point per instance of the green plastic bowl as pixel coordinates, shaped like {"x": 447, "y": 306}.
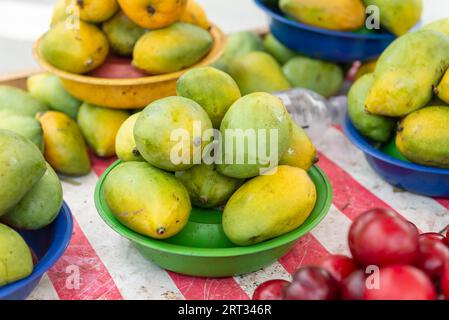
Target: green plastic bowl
{"x": 203, "y": 250}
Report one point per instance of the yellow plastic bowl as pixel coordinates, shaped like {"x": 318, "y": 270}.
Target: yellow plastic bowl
{"x": 127, "y": 93}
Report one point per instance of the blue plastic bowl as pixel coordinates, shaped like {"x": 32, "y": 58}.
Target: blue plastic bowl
{"x": 49, "y": 245}
{"x": 415, "y": 178}
{"x": 336, "y": 46}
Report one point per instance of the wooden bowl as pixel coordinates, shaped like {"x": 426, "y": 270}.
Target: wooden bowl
{"x": 130, "y": 93}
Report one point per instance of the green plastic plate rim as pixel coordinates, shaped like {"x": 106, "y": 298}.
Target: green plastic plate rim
{"x": 324, "y": 200}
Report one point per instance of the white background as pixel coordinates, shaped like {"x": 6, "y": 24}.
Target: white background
{"x": 22, "y": 21}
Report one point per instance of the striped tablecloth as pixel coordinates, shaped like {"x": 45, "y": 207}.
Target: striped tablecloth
{"x": 99, "y": 264}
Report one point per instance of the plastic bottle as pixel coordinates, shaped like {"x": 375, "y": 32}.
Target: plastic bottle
{"x": 312, "y": 111}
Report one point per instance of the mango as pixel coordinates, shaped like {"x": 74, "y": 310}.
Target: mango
{"x": 125, "y": 144}
{"x": 206, "y": 186}
{"x": 60, "y": 12}
{"x": 343, "y": 15}
{"x": 301, "y": 152}
{"x": 15, "y": 254}
{"x": 441, "y": 25}
{"x": 179, "y": 46}
{"x": 398, "y": 16}
{"x": 94, "y": 11}
{"x": 122, "y": 33}
{"x": 258, "y": 72}
{"x": 75, "y": 50}
{"x": 269, "y": 206}
{"x": 212, "y": 89}
{"x": 170, "y": 133}
{"x": 404, "y": 82}
{"x": 48, "y": 88}
{"x": 153, "y": 14}
{"x": 100, "y": 126}
{"x": 195, "y": 14}
{"x": 423, "y": 136}
{"x": 256, "y": 132}
{"x": 238, "y": 44}
{"x": 280, "y": 52}
{"x": 27, "y": 127}
{"x": 377, "y": 128}
{"x": 65, "y": 149}
{"x": 40, "y": 206}
{"x": 18, "y": 101}
{"x": 21, "y": 167}
{"x": 147, "y": 200}
{"x": 323, "y": 77}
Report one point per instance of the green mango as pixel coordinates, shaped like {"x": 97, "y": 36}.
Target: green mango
{"x": 22, "y": 165}
{"x": 207, "y": 187}
{"x": 280, "y": 52}
{"x": 40, "y": 206}
{"x": 391, "y": 149}
{"x": 238, "y": 44}
{"x": 59, "y": 12}
{"x": 15, "y": 255}
{"x": 404, "y": 82}
{"x": 100, "y": 126}
{"x": 48, "y": 88}
{"x": 423, "y": 136}
{"x": 122, "y": 33}
{"x": 212, "y": 89}
{"x": 27, "y": 127}
{"x": 398, "y": 16}
{"x": 242, "y": 130}
{"x": 75, "y": 49}
{"x": 269, "y": 206}
{"x": 147, "y": 200}
{"x": 325, "y": 78}
{"x": 167, "y": 136}
{"x": 377, "y": 128}
{"x": 20, "y": 102}
{"x": 441, "y": 25}
{"x": 125, "y": 144}
{"x": 258, "y": 72}
{"x": 179, "y": 46}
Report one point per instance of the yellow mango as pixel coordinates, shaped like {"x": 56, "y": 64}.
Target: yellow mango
{"x": 76, "y": 50}
{"x": 147, "y": 200}
{"x": 153, "y": 14}
{"x": 94, "y": 10}
{"x": 171, "y": 49}
{"x": 423, "y": 136}
{"x": 344, "y": 15}
{"x": 65, "y": 149}
{"x": 269, "y": 206}
{"x": 195, "y": 14}
{"x": 301, "y": 152}
{"x": 125, "y": 144}
{"x": 100, "y": 126}
{"x": 398, "y": 16}
{"x": 404, "y": 82}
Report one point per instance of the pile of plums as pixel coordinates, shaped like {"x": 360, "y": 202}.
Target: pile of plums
{"x": 391, "y": 261}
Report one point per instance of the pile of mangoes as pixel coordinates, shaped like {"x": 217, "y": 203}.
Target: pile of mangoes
{"x": 30, "y": 199}
{"x": 407, "y": 96}
{"x": 265, "y": 65}
{"x": 172, "y": 158}
{"x": 161, "y": 36}
{"x": 398, "y": 16}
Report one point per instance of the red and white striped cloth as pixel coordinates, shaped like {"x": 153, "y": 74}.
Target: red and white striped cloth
{"x": 110, "y": 267}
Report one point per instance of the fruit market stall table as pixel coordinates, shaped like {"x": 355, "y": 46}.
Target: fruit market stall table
{"x": 99, "y": 264}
